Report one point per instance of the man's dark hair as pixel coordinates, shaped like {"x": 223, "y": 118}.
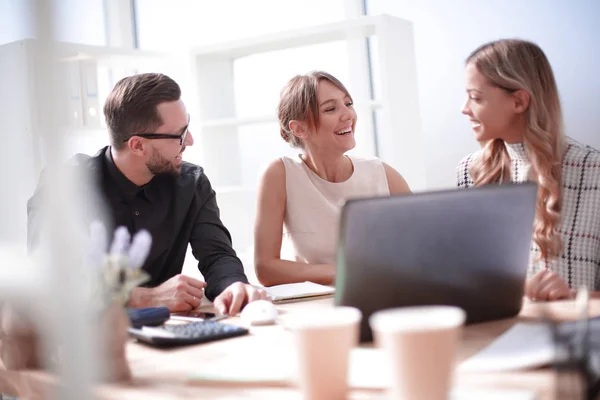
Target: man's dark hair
{"x": 130, "y": 107}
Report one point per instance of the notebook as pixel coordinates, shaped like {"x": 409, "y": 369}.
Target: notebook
{"x": 298, "y": 291}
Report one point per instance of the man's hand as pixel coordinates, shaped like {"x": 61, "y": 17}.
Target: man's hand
{"x": 180, "y": 293}
{"x": 236, "y": 296}
{"x": 547, "y": 286}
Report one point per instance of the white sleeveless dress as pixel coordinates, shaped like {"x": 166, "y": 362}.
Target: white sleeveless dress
{"x": 313, "y": 205}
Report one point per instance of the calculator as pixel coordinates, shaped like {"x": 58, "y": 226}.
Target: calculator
{"x": 170, "y": 335}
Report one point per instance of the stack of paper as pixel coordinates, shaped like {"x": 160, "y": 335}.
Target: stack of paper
{"x": 298, "y": 291}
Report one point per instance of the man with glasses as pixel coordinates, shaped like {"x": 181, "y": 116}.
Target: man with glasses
{"x": 146, "y": 185}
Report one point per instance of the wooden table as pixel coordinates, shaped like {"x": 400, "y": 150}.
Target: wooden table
{"x": 162, "y": 374}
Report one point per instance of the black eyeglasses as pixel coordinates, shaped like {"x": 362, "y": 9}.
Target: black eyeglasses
{"x": 182, "y": 136}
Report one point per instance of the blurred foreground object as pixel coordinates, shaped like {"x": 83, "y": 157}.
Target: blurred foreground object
{"x": 115, "y": 271}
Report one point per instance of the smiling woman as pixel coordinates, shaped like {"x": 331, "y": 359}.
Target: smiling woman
{"x": 515, "y": 112}
{"x": 305, "y": 194}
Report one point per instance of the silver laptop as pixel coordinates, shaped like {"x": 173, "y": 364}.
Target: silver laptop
{"x": 463, "y": 247}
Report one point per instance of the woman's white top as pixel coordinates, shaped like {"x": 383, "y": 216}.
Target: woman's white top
{"x": 313, "y": 205}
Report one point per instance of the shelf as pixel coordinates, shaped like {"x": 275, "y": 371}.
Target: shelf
{"x": 238, "y": 121}
{"x": 68, "y": 52}
{"x": 263, "y": 119}
{"x": 74, "y": 51}
{"x": 358, "y": 27}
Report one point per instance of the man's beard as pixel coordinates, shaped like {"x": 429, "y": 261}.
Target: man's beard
{"x": 160, "y": 166}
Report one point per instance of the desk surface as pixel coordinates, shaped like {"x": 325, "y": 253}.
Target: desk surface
{"x": 160, "y": 374}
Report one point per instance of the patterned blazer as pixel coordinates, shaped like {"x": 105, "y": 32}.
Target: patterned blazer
{"x": 579, "y": 263}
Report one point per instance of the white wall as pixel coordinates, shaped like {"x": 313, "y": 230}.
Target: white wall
{"x": 81, "y": 21}
{"x": 447, "y": 31}
{"x": 78, "y": 21}
{"x": 15, "y": 21}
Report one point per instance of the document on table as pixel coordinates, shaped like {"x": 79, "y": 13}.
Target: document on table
{"x": 526, "y": 346}
{"x": 298, "y": 291}
{"x": 522, "y": 346}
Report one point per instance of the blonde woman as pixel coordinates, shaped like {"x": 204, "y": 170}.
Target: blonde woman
{"x": 305, "y": 194}
{"x": 514, "y": 108}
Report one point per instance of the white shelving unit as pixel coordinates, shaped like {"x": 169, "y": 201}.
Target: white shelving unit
{"x": 400, "y": 128}
{"x": 397, "y": 141}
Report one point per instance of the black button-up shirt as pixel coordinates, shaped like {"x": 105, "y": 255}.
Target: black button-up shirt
{"x": 175, "y": 210}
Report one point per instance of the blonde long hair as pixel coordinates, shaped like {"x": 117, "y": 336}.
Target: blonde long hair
{"x": 513, "y": 65}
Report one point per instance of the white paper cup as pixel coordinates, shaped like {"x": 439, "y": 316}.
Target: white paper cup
{"x": 324, "y": 339}
{"x": 420, "y": 345}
